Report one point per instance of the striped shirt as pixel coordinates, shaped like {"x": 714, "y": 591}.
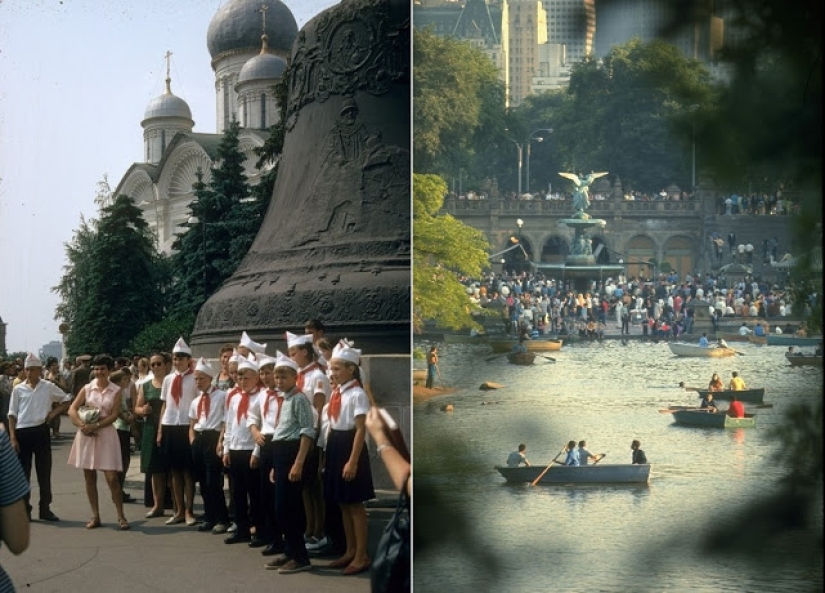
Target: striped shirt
{"x": 13, "y": 487}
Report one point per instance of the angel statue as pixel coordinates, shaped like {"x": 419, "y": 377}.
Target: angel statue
{"x": 581, "y": 197}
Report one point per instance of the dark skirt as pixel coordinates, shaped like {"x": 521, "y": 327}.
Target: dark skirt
{"x": 152, "y": 458}
{"x": 311, "y": 464}
{"x": 336, "y": 489}
{"x": 176, "y": 448}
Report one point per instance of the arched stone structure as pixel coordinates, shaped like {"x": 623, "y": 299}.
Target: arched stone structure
{"x": 555, "y": 249}
{"x": 639, "y": 249}
{"x": 678, "y": 252}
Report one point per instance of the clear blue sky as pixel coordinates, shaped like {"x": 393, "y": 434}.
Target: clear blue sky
{"x": 76, "y": 78}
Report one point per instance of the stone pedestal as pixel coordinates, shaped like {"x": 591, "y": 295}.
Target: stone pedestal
{"x": 391, "y": 388}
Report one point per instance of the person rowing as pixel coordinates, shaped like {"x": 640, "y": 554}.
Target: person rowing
{"x": 516, "y": 458}
{"x": 708, "y": 403}
{"x": 736, "y": 409}
{"x": 736, "y": 382}
{"x": 584, "y": 454}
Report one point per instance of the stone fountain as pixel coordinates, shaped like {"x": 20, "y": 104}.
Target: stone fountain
{"x": 580, "y": 265}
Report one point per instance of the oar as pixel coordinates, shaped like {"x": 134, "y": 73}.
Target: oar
{"x": 599, "y": 457}
{"x": 686, "y": 388}
{"x": 440, "y": 378}
{"x": 552, "y": 461}
{"x": 739, "y": 353}
{"x": 764, "y": 406}
{"x": 547, "y": 357}
{"x": 494, "y": 357}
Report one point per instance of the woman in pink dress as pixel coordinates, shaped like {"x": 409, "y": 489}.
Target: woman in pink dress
{"x": 96, "y": 445}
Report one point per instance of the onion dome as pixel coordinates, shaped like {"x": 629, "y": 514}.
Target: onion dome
{"x": 264, "y": 66}
{"x": 167, "y": 105}
{"x": 236, "y": 26}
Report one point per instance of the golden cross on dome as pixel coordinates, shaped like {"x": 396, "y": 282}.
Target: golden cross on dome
{"x": 263, "y": 10}
{"x": 168, "y": 56}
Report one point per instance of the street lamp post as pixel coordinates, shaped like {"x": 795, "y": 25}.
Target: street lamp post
{"x": 518, "y": 147}
{"x": 693, "y": 109}
{"x": 519, "y": 224}
{"x": 540, "y": 139}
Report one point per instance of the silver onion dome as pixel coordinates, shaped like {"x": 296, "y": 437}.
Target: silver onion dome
{"x": 236, "y": 26}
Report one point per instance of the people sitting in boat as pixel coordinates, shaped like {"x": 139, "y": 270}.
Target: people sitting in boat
{"x": 572, "y": 455}
{"x": 520, "y": 347}
{"x": 802, "y": 331}
{"x": 516, "y": 458}
{"x": 591, "y": 329}
{"x": 708, "y": 403}
{"x": 523, "y": 333}
{"x": 759, "y": 330}
{"x": 584, "y": 454}
{"x": 715, "y": 383}
{"x": 639, "y": 456}
{"x": 721, "y": 343}
{"x": 703, "y": 341}
{"x": 744, "y": 330}
{"x": 736, "y": 382}
{"x": 736, "y": 409}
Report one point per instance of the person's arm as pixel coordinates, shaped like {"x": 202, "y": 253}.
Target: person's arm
{"x": 159, "y": 438}
{"x": 397, "y": 466}
{"x": 14, "y": 521}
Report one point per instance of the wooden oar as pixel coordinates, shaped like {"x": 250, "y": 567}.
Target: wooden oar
{"x": 599, "y": 457}
{"x": 686, "y": 388}
{"x": 684, "y": 409}
{"x": 494, "y": 357}
{"x": 739, "y": 353}
{"x": 552, "y": 461}
{"x": 547, "y": 357}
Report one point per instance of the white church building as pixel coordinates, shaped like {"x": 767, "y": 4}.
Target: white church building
{"x": 250, "y": 43}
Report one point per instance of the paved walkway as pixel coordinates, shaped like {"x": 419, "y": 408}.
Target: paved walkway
{"x": 152, "y": 556}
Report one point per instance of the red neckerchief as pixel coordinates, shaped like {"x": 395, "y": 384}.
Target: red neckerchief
{"x": 203, "y": 405}
{"x": 230, "y": 395}
{"x": 177, "y": 385}
{"x": 243, "y": 406}
{"x": 303, "y": 372}
{"x": 334, "y": 410}
{"x": 280, "y": 400}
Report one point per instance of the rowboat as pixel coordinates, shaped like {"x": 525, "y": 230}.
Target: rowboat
{"x": 584, "y": 474}
{"x": 733, "y": 337}
{"x": 506, "y": 345}
{"x": 804, "y": 360}
{"x": 521, "y": 358}
{"x": 790, "y": 340}
{"x": 748, "y": 396}
{"x": 696, "y": 351}
{"x": 758, "y": 340}
{"x": 712, "y": 420}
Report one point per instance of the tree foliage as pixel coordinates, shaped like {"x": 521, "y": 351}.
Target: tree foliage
{"x": 459, "y": 105}
{"x": 209, "y": 250}
{"x": 443, "y": 249}
{"x": 159, "y": 336}
{"x": 109, "y": 287}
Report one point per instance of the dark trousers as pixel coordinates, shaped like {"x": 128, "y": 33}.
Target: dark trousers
{"x": 209, "y": 474}
{"x": 36, "y": 441}
{"x": 334, "y": 527}
{"x": 270, "y": 529}
{"x": 247, "y": 493}
{"x": 124, "y": 436}
{"x": 289, "y": 505}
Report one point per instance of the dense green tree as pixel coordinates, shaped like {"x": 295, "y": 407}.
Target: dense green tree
{"x": 159, "y": 336}
{"x": 108, "y": 290}
{"x": 443, "y": 249}
{"x": 458, "y": 106}
{"x": 209, "y": 250}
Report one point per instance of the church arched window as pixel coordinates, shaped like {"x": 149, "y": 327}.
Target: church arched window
{"x": 263, "y": 111}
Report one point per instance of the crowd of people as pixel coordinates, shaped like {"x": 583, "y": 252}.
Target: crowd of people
{"x": 757, "y": 204}
{"x": 288, "y": 431}
{"x": 662, "y": 309}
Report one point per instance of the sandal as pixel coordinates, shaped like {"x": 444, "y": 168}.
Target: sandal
{"x": 340, "y": 563}
{"x": 123, "y": 523}
{"x": 93, "y": 523}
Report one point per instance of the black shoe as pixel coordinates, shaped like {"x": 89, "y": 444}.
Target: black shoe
{"x": 236, "y": 539}
{"x": 272, "y": 550}
{"x": 128, "y": 498}
{"x": 257, "y": 542}
{"x": 47, "y": 515}
{"x": 205, "y": 527}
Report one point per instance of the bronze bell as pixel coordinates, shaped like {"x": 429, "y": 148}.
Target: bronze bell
{"x": 335, "y": 242}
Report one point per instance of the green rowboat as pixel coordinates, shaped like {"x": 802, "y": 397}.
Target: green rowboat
{"x": 705, "y": 419}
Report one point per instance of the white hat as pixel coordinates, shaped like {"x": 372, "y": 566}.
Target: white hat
{"x": 344, "y": 352}
{"x": 32, "y": 361}
{"x": 181, "y": 348}
{"x": 253, "y": 346}
{"x": 236, "y": 357}
{"x": 285, "y": 361}
{"x": 247, "y": 363}
{"x": 204, "y": 367}
{"x": 296, "y": 340}
{"x": 265, "y": 360}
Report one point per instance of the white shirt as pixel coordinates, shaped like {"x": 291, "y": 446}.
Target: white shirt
{"x": 177, "y": 414}
{"x": 744, "y": 331}
{"x": 217, "y": 411}
{"x": 354, "y": 402}
{"x": 30, "y": 406}
{"x": 315, "y": 381}
{"x": 236, "y": 435}
{"x": 149, "y": 376}
{"x": 265, "y": 420}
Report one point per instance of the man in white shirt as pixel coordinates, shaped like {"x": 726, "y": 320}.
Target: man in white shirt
{"x": 744, "y": 330}
{"x": 30, "y": 411}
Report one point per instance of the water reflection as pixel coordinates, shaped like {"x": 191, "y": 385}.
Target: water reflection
{"x": 608, "y": 395}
